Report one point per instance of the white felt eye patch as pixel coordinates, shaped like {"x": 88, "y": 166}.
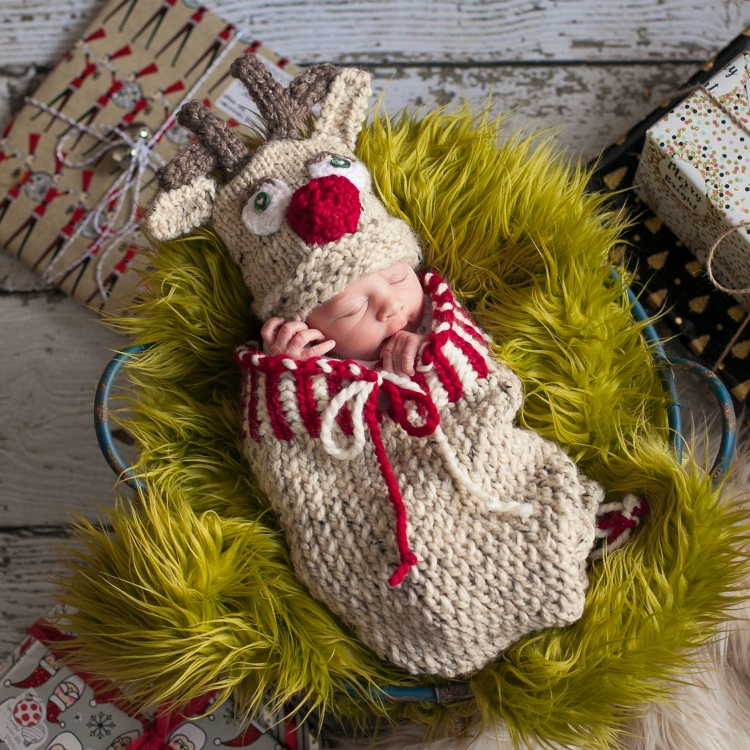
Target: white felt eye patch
{"x": 266, "y": 208}
{"x": 355, "y": 171}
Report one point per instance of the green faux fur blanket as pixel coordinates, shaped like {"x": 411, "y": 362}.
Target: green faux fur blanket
{"x": 192, "y": 590}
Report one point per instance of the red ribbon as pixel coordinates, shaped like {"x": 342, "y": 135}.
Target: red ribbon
{"x": 156, "y": 730}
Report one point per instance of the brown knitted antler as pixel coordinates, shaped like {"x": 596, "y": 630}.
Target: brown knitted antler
{"x": 191, "y": 162}
{"x": 282, "y": 109}
{"x": 217, "y": 144}
{"x": 214, "y": 133}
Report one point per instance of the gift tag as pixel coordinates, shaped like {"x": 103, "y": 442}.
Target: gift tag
{"x": 686, "y": 183}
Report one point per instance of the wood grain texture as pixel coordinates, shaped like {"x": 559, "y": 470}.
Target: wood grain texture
{"x": 53, "y": 353}
{"x": 15, "y": 277}
{"x": 428, "y": 30}
{"x": 29, "y": 558}
{"x": 586, "y": 107}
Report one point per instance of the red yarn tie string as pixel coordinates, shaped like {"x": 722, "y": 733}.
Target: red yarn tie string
{"x": 340, "y": 372}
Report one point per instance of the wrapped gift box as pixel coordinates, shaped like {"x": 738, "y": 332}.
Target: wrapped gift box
{"x": 668, "y": 277}
{"x": 695, "y": 171}
{"x": 70, "y": 192}
{"x": 45, "y": 706}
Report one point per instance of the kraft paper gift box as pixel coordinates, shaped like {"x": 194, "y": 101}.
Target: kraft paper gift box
{"x": 45, "y": 706}
{"x": 694, "y": 172}
{"x": 70, "y": 193}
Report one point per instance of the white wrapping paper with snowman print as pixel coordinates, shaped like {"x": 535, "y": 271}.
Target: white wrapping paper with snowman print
{"x": 45, "y": 706}
{"x": 694, "y": 172}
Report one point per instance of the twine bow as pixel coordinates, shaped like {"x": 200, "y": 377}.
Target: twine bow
{"x": 106, "y": 217}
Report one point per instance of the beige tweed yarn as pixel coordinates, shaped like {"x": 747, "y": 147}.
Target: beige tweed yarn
{"x": 484, "y": 578}
{"x": 288, "y": 277}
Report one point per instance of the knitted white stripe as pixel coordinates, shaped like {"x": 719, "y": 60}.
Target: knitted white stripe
{"x": 437, "y": 391}
{"x": 290, "y": 404}
{"x": 466, "y": 336}
{"x": 466, "y": 320}
{"x": 458, "y": 360}
{"x": 264, "y": 418}
{"x": 320, "y": 391}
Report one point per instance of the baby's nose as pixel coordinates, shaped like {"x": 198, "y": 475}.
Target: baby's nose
{"x": 390, "y": 306}
{"x": 325, "y": 209}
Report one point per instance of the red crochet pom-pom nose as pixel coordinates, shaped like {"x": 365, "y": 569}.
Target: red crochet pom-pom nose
{"x": 325, "y": 209}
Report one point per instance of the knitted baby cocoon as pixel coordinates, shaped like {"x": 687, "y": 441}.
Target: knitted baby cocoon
{"x": 438, "y": 530}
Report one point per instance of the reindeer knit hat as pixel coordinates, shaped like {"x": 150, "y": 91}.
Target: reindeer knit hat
{"x": 299, "y": 216}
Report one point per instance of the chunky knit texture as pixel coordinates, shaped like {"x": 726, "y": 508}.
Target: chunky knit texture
{"x": 331, "y": 237}
{"x": 483, "y": 527}
{"x": 231, "y": 615}
{"x": 283, "y": 110}
{"x": 187, "y": 206}
{"x": 325, "y": 210}
{"x": 288, "y": 275}
{"x": 229, "y": 150}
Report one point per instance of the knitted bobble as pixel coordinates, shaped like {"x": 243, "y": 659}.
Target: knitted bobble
{"x": 324, "y": 210}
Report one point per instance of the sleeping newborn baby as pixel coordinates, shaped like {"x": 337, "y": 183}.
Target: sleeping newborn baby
{"x": 412, "y": 505}
{"x": 379, "y": 316}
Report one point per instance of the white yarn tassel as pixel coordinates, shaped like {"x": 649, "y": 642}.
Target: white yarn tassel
{"x": 511, "y": 507}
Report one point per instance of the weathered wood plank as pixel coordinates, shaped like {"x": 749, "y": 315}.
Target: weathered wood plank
{"x": 53, "y": 352}
{"x": 15, "y": 277}
{"x": 28, "y": 559}
{"x": 588, "y": 107}
{"x": 520, "y": 30}
{"x": 428, "y": 30}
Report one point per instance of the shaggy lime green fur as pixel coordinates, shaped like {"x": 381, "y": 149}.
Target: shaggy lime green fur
{"x": 194, "y": 591}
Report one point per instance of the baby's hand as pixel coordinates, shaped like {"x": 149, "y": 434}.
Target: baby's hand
{"x": 292, "y": 338}
{"x": 400, "y": 351}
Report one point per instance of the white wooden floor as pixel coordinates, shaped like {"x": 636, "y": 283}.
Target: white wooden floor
{"x": 586, "y": 68}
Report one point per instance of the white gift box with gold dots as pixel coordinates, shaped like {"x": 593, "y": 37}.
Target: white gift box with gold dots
{"x": 694, "y": 172}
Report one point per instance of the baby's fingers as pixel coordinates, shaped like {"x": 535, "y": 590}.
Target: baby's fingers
{"x": 270, "y": 329}
{"x": 407, "y": 349}
{"x": 297, "y": 345}
{"x": 408, "y": 355}
{"x": 386, "y": 354}
{"x": 318, "y": 350}
{"x": 285, "y": 337}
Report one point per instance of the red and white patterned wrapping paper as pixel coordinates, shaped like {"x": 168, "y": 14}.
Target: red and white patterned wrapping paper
{"x": 45, "y": 706}
{"x": 137, "y": 62}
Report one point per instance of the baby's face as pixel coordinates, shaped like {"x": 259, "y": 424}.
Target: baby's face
{"x": 369, "y": 311}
